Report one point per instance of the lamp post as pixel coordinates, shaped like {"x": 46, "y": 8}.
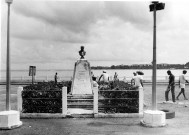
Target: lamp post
{"x": 154, "y": 118}
{"x": 9, "y": 119}
{"x": 154, "y": 7}
{"x": 8, "y": 74}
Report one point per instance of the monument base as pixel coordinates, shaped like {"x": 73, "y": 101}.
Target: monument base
{"x": 82, "y": 81}
{"x": 10, "y": 119}
{"x": 153, "y": 118}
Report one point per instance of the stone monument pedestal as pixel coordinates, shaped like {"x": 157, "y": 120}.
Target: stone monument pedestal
{"x": 153, "y": 118}
{"x": 10, "y": 119}
{"x": 82, "y": 81}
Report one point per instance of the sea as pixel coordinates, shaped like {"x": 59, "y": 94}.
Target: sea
{"x": 67, "y": 74}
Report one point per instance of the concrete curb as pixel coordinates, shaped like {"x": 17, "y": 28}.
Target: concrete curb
{"x": 59, "y": 115}
{"x": 41, "y": 115}
{"x": 118, "y": 115}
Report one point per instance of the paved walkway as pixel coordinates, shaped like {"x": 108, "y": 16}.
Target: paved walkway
{"x": 107, "y": 126}
{"x": 100, "y": 126}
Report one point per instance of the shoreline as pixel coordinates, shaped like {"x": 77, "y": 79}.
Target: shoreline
{"x": 28, "y": 82}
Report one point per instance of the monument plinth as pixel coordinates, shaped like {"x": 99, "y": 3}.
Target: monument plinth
{"x": 82, "y": 81}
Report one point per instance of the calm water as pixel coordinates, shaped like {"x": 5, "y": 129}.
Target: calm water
{"x": 67, "y": 74}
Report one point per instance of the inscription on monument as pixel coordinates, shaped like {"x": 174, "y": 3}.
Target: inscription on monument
{"x": 82, "y": 83}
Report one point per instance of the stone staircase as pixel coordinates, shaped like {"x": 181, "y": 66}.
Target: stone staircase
{"x": 80, "y": 105}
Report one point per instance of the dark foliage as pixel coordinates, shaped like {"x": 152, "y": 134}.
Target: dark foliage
{"x": 49, "y": 86}
{"x": 44, "y": 97}
{"x": 118, "y": 97}
{"x": 116, "y": 85}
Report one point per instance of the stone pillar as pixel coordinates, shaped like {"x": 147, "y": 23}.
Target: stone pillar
{"x": 64, "y": 101}
{"x": 82, "y": 81}
{"x": 19, "y": 98}
{"x": 95, "y": 100}
{"x": 141, "y": 100}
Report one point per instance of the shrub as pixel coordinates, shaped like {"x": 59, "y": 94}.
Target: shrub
{"x": 118, "y": 97}
{"x": 44, "y": 97}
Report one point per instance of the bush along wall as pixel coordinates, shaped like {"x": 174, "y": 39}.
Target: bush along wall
{"x": 118, "y": 97}
{"x": 44, "y": 97}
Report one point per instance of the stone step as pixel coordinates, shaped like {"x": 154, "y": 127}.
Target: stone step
{"x": 80, "y": 106}
{"x": 80, "y": 103}
{"x": 80, "y": 97}
{"x": 80, "y": 116}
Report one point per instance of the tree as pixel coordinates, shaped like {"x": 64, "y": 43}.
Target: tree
{"x": 187, "y": 65}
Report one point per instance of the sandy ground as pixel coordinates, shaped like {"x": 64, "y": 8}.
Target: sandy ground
{"x": 105, "y": 126}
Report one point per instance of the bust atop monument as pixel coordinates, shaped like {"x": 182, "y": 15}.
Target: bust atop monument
{"x": 82, "y": 52}
{"x": 82, "y": 80}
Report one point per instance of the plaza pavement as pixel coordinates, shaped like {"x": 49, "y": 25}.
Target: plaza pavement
{"x": 98, "y": 126}
{"x": 108, "y": 126}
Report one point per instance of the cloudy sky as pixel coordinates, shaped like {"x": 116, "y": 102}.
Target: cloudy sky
{"x": 48, "y": 34}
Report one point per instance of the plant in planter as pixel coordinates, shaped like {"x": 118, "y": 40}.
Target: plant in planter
{"x": 43, "y": 97}
{"x": 118, "y": 97}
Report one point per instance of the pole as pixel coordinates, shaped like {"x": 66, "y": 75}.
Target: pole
{"x": 154, "y": 105}
{"x": 8, "y": 74}
{"x": 32, "y": 78}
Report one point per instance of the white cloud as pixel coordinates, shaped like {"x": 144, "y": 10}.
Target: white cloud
{"x": 112, "y": 32}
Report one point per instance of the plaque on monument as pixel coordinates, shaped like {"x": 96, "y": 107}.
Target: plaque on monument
{"x": 82, "y": 82}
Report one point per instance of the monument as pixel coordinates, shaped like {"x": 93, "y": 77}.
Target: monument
{"x": 82, "y": 80}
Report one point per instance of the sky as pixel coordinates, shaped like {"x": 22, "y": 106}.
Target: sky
{"x": 48, "y": 34}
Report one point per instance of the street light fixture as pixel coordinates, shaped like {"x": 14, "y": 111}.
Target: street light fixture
{"x": 159, "y": 6}
{"x": 8, "y": 1}
{"x": 154, "y": 7}
{"x": 8, "y": 74}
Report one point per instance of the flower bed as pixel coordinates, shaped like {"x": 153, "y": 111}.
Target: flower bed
{"x": 118, "y": 97}
{"x": 44, "y": 97}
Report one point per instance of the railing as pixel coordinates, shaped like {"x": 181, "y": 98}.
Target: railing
{"x": 21, "y": 105}
{"x": 137, "y": 111}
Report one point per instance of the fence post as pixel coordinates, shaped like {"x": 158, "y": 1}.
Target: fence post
{"x": 19, "y": 98}
{"x": 95, "y": 100}
{"x": 141, "y": 100}
{"x": 64, "y": 101}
